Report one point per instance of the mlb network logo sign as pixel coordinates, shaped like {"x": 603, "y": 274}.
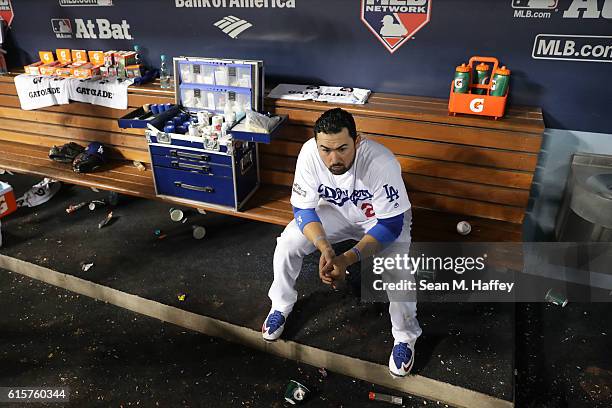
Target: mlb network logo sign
{"x": 394, "y": 22}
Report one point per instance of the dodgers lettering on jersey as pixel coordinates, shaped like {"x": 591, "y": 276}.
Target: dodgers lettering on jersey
{"x": 372, "y": 188}
{"x": 338, "y": 196}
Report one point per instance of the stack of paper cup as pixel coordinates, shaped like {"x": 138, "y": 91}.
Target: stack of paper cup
{"x": 217, "y": 122}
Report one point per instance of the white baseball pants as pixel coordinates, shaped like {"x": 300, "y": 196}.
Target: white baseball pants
{"x": 292, "y": 246}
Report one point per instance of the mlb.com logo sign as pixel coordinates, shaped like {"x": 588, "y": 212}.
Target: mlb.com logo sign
{"x": 394, "y": 22}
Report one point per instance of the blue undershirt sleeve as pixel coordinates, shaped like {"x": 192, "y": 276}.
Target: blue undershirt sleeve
{"x": 387, "y": 230}
{"x": 304, "y": 216}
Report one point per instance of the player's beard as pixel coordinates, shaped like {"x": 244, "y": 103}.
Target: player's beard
{"x": 337, "y": 169}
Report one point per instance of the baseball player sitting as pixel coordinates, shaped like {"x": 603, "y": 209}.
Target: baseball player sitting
{"x": 345, "y": 187}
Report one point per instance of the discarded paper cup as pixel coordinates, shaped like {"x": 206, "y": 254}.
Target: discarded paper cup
{"x": 217, "y": 122}
{"x": 296, "y": 393}
{"x": 96, "y": 204}
{"x": 176, "y": 215}
{"x": 199, "y": 232}
{"x": 426, "y": 275}
{"x": 555, "y": 298}
{"x": 139, "y": 165}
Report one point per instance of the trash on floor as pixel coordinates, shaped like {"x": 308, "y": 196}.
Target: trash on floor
{"x": 106, "y": 220}
{"x": 376, "y": 396}
{"x": 96, "y": 204}
{"x": 158, "y": 233}
{"x": 139, "y": 165}
{"x": 296, "y": 393}
{"x": 86, "y": 266}
{"x": 423, "y": 274}
{"x": 199, "y": 232}
{"x": 39, "y": 193}
{"x": 181, "y": 297}
{"x": 176, "y": 215}
{"x": 75, "y": 207}
{"x": 555, "y": 298}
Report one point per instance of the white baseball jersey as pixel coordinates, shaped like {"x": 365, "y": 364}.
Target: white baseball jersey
{"x": 372, "y": 188}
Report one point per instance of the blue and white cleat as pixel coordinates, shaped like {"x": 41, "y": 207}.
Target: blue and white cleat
{"x": 274, "y": 325}
{"x": 401, "y": 360}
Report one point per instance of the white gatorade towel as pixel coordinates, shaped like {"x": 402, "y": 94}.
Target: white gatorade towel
{"x": 331, "y": 94}
{"x": 112, "y": 93}
{"x": 40, "y": 91}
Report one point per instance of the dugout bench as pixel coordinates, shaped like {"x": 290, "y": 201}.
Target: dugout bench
{"x": 455, "y": 168}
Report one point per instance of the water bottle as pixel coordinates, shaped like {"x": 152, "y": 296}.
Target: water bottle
{"x": 164, "y": 75}
{"x": 138, "y": 58}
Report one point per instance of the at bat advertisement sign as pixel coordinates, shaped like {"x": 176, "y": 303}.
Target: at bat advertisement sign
{"x": 394, "y": 22}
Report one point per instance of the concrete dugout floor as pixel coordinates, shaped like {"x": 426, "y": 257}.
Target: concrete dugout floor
{"x": 226, "y": 276}
{"x": 108, "y": 356}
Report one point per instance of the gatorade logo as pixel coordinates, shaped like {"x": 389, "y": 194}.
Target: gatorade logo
{"x": 477, "y": 105}
{"x": 459, "y": 83}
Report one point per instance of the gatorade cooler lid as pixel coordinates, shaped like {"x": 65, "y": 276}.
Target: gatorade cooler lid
{"x": 463, "y": 68}
{"x": 5, "y": 187}
{"x": 482, "y": 67}
{"x": 503, "y": 71}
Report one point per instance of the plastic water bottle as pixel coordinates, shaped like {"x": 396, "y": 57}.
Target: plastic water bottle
{"x": 164, "y": 75}
{"x": 138, "y": 56}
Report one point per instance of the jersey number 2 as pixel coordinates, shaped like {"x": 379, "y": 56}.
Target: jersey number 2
{"x": 368, "y": 209}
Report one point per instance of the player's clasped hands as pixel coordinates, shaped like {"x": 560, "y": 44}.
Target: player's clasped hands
{"x": 332, "y": 268}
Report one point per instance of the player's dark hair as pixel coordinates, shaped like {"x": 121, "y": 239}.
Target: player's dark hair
{"x": 333, "y": 121}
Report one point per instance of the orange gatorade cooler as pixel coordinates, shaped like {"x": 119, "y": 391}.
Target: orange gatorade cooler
{"x": 7, "y": 199}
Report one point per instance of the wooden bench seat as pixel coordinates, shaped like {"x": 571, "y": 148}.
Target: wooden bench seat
{"x": 455, "y": 168}
{"x": 270, "y": 204}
